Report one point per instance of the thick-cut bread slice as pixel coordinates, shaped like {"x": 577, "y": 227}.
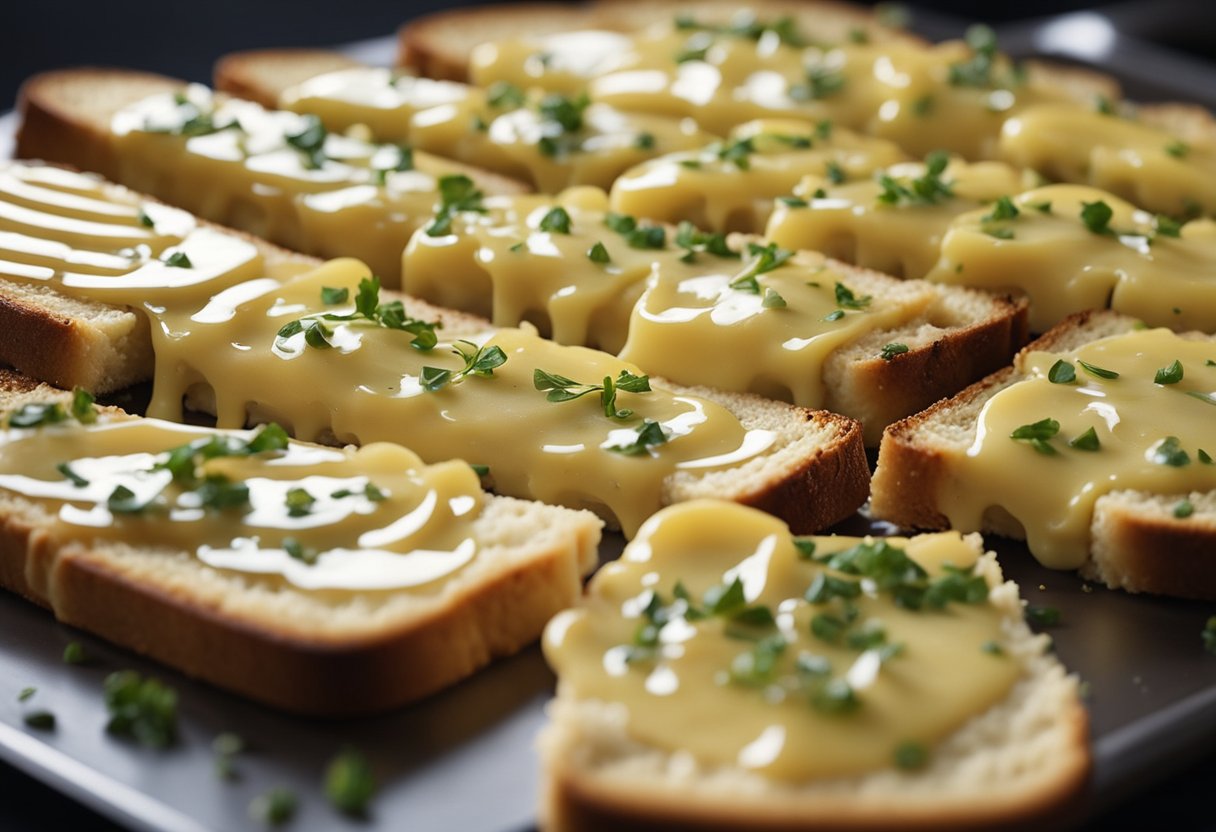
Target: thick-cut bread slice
{"x": 1137, "y": 542}
{"x": 438, "y": 45}
{"x": 1022, "y": 761}
{"x": 262, "y": 75}
{"x": 323, "y": 653}
{"x": 67, "y": 116}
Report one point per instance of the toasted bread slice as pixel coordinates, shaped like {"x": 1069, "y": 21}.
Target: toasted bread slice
{"x": 262, "y": 75}
{"x": 438, "y": 45}
{"x": 1138, "y": 540}
{"x": 331, "y": 653}
{"x": 1023, "y": 758}
{"x": 68, "y": 117}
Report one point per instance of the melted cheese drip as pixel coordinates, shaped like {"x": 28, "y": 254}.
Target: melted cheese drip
{"x": 691, "y": 326}
{"x": 1064, "y": 267}
{"x": 898, "y": 91}
{"x": 1128, "y": 158}
{"x": 721, "y": 195}
{"x": 215, "y": 340}
{"x": 676, "y": 702}
{"x": 1132, "y": 415}
{"x": 904, "y": 240}
{"x": 458, "y": 121}
{"x": 253, "y": 179}
{"x": 417, "y": 534}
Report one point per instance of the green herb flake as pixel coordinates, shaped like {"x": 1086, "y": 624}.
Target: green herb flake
{"x": 73, "y": 653}
{"x": 505, "y": 95}
{"x": 977, "y": 70}
{"x": 299, "y": 502}
{"x": 923, "y": 106}
{"x": 1169, "y": 375}
{"x": 349, "y": 783}
{"x": 992, "y": 648}
{"x": 1062, "y": 372}
{"x": 1164, "y": 226}
{"x": 1038, "y": 616}
{"x": 1170, "y": 452}
{"x": 310, "y": 141}
{"x": 1178, "y": 149}
{"x": 298, "y": 551}
{"x": 772, "y": 299}
{"x": 226, "y": 747}
{"x": 1097, "y": 217}
{"x": 457, "y": 193}
{"x": 598, "y": 254}
{"x": 40, "y": 720}
{"x": 1183, "y": 509}
{"x": 558, "y": 389}
{"x": 178, "y": 260}
{"x": 651, "y": 434}
{"x": 478, "y": 361}
{"x": 70, "y": 475}
{"x": 1204, "y": 457}
{"x": 331, "y": 296}
{"x": 274, "y": 807}
{"x": 480, "y": 470}
{"x": 143, "y": 709}
{"x": 1095, "y": 370}
{"x": 911, "y": 756}
{"x": 644, "y": 141}
{"x": 556, "y": 220}
{"x": 145, "y": 220}
{"x": 26, "y": 694}
{"x": 928, "y": 189}
{"x": 846, "y": 299}
{"x": 819, "y": 82}
{"x": 1087, "y": 441}
{"x": 889, "y": 351}
{"x": 1038, "y": 435}
{"x": 805, "y": 547}
{"x": 835, "y": 697}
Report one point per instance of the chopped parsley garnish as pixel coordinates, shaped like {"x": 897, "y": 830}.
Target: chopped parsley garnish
{"x": 37, "y": 415}
{"x": 992, "y": 648}
{"x": 1204, "y": 457}
{"x": 480, "y": 470}
{"x": 40, "y": 720}
{"x": 299, "y": 502}
{"x": 478, "y": 361}
{"x": 457, "y": 193}
{"x": 928, "y": 189}
{"x": 349, "y": 783}
{"x": 145, "y": 220}
{"x": 1039, "y": 616}
{"x": 847, "y": 299}
{"x": 694, "y": 241}
{"x": 747, "y": 26}
{"x": 805, "y": 546}
{"x": 1164, "y": 226}
{"x": 820, "y": 82}
{"x": 1097, "y": 217}
{"x": 143, "y": 709}
{"x": 274, "y": 807}
{"x": 1104, "y": 105}
{"x": 923, "y": 106}
{"x": 1095, "y": 370}
{"x": 644, "y": 141}
{"x": 598, "y": 254}
{"x": 298, "y": 551}
{"x": 178, "y": 260}
{"x": 1183, "y": 509}
{"x": 505, "y": 95}
{"x": 405, "y": 161}
{"x": 767, "y": 258}
{"x": 1087, "y": 441}
{"x": 977, "y": 71}
{"x": 1169, "y": 375}
{"x": 1038, "y": 435}
{"x": 911, "y": 756}
{"x": 835, "y": 172}
{"x": 562, "y": 118}
{"x": 73, "y": 653}
{"x": 758, "y": 666}
{"x": 889, "y": 351}
{"x": 369, "y": 311}
{"x": 1062, "y": 372}
{"x": 331, "y": 296}
{"x": 226, "y": 747}
{"x": 26, "y": 694}
{"x": 649, "y": 435}
{"x": 1002, "y": 209}
{"x": 221, "y": 493}
{"x": 556, "y": 220}
{"x": 1170, "y": 452}
{"x": 558, "y": 388}
{"x": 737, "y": 152}
{"x": 636, "y": 236}
{"x": 122, "y": 501}
{"x": 1178, "y": 149}
{"x": 310, "y": 141}
{"x": 772, "y": 299}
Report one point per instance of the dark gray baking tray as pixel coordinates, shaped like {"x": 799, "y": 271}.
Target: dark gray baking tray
{"x": 464, "y": 759}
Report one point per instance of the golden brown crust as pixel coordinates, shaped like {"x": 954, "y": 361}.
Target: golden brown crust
{"x": 825, "y": 488}
{"x": 262, "y": 75}
{"x": 580, "y": 802}
{"x": 1155, "y": 552}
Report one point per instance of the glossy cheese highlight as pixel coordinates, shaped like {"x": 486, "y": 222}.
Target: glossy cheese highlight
{"x": 1151, "y": 436}
{"x": 781, "y": 685}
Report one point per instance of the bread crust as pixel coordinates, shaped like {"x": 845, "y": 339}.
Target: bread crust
{"x": 262, "y": 75}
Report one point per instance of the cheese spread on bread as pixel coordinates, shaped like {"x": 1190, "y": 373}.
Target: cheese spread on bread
{"x": 551, "y": 140}
{"x": 1074, "y": 247}
{"x": 1130, "y": 412}
{"x": 833, "y": 656}
{"x": 893, "y": 222}
{"x": 278, "y": 175}
{"x": 731, "y": 185}
{"x": 1133, "y": 159}
{"x": 252, "y": 502}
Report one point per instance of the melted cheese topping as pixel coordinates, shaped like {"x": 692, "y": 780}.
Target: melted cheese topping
{"x": 463, "y": 123}
{"x": 1133, "y": 417}
{"x": 849, "y": 222}
{"x": 693, "y": 326}
{"x": 700, "y": 668}
{"x": 1064, "y": 267}
{"x": 731, "y": 186}
{"x": 1137, "y": 161}
{"x": 219, "y": 343}
{"x": 413, "y": 529}
{"x": 922, "y": 98}
{"x": 233, "y": 162}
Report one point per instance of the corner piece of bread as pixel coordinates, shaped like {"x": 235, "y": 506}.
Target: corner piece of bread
{"x": 1021, "y": 763}
{"x": 262, "y": 75}
{"x": 1136, "y": 542}
{"x": 317, "y": 653}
